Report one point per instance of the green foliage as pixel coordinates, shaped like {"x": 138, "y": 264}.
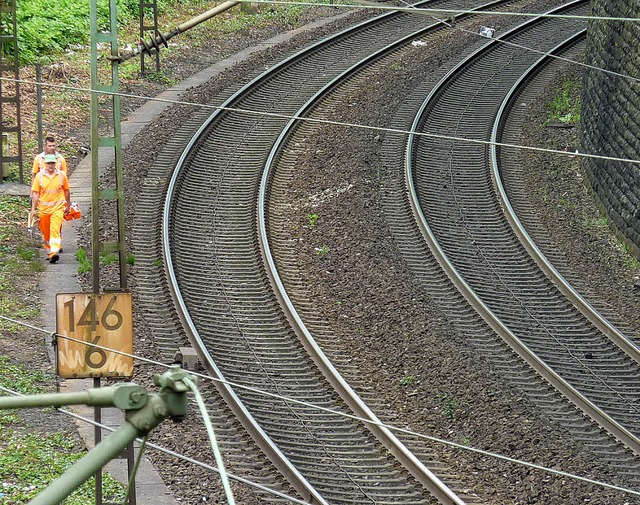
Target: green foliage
{"x": 629, "y": 260}
{"x": 322, "y": 251}
{"x": 111, "y": 258}
{"x": 566, "y": 204}
{"x": 566, "y": 104}
{"x": 108, "y": 258}
{"x": 312, "y": 218}
{"x": 18, "y": 378}
{"x": 29, "y": 462}
{"x": 46, "y": 28}
{"x": 632, "y": 263}
{"x": 600, "y": 222}
{"x": 19, "y": 259}
{"x": 26, "y": 253}
{"x": 158, "y": 263}
{"x": 130, "y": 69}
{"x": 84, "y": 265}
{"x": 409, "y": 380}
{"x": 448, "y": 405}
{"x": 160, "y": 78}
{"x": 284, "y": 14}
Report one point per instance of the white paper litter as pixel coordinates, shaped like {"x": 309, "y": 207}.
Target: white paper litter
{"x": 485, "y": 31}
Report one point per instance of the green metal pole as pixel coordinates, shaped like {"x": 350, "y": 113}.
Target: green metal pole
{"x": 95, "y": 110}
{"x": 102, "y": 453}
{"x": 123, "y": 396}
{"x": 106, "y": 91}
{"x": 137, "y": 424}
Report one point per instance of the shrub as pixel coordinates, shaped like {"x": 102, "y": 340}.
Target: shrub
{"x": 48, "y": 27}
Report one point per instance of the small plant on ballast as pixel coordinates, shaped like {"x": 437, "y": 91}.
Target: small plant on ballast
{"x": 322, "y": 251}
{"x": 312, "y": 218}
{"x": 409, "y": 380}
{"x": 448, "y": 405}
{"x": 84, "y": 265}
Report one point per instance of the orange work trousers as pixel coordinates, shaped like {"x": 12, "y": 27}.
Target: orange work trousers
{"x": 50, "y": 226}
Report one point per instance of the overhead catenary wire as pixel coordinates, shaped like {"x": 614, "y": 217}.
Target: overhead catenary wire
{"x": 379, "y": 129}
{"x": 354, "y": 417}
{"x": 410, "y": 9}
{"x": 161, "y": 39}
{"x": 430, "y": 10}
{"x": 397, "y": 131}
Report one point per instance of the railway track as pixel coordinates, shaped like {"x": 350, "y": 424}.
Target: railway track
{"x": 575, "y": 349}
{"x": 255, "y": 327}
{"x": 236, "y": 316}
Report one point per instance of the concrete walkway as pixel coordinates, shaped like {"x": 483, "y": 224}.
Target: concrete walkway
{"x": 62, "y": 277}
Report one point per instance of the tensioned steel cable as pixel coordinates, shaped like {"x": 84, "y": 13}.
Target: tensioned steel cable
{"x": 356, "y": 125}
{"x": 426, "y": 11}
{"x": 411, "y": 9}
{"x": 346, "y": 415}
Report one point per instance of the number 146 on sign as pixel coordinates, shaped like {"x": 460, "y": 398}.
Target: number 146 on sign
{"x": 90, "y": 328}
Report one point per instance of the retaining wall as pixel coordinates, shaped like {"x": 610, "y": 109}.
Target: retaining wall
{"x": 610, "y": 117}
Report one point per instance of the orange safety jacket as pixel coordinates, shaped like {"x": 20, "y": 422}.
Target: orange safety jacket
{"x": 39, "y": 164}
{"x": 51, "y": 190}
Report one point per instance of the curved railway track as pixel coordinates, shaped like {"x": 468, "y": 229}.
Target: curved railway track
{"x": 575, "y": 349}
{"x": 255, "y": 326}
{"x": 224, "y": 278}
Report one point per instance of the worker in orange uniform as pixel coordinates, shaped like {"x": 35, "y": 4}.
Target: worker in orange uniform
{"x": 39, "y": 164}
{"x": 49, "y": 148}
{"x": 51, "y": 197}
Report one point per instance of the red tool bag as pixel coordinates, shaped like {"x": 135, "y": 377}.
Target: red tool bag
{"x": 74, "y": 212}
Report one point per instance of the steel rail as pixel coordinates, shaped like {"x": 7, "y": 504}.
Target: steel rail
{"x": 584, "y": 404}
{"x": 597, "y": 319}
{"x": 425, "y": 476}
{"x": 262, "y": 439}
{"x": 266, "y": 444}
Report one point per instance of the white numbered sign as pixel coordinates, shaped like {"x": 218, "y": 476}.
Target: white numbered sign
{"x": 95, "y": 320}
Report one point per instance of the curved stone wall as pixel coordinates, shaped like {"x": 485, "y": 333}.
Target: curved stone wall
{"x": 610, "y": 117}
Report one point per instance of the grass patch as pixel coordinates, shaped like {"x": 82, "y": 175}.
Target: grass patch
{"x": 598, "y": 223}
{"x": 629, "y": 260}
{"x": 19, "y": 261}
{"x": 566, "y": 105}
{"x": 29, "y": 462}
{"x": 409, "y": 380}
{"x": 84, "y": 265}
{"x": 602, "y": 227}
{"x": 17, "y": 378}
